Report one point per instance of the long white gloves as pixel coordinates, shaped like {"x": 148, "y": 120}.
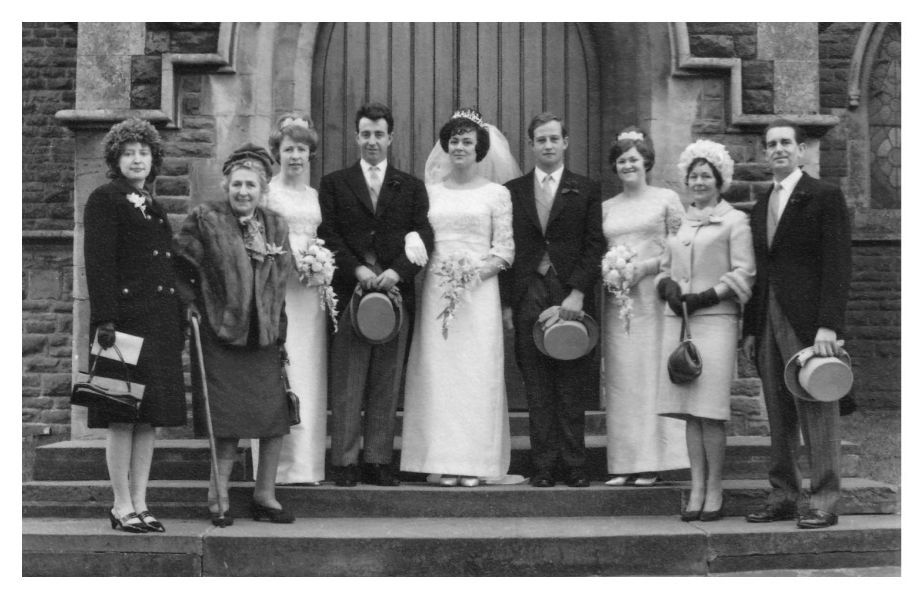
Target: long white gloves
{"x": 415, "y": 249}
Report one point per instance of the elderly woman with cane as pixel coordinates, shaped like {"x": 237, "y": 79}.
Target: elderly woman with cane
{"x": 234, "y": 259}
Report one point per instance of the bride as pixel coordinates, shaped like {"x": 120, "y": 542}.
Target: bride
{"x": 293, "y": 144}
{"x": 455, "y": 415}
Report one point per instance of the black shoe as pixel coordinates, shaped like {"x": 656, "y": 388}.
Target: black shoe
{"x": 690, "y": 516}
{"x": 711, "y": 516}
{"x": 127, "y": 523}
{"x": 221, "y": 521}
{"x": 542, "y": 480}
{"x": 275, "y": 515}
{"x": 150, "y": 522}
{"x": 379, "y": 474}
{"x": 577, "y": 479}
{"x": 817, "y": 519}
{"x": 773, "y": 513}
{"x": 346, "y": 476}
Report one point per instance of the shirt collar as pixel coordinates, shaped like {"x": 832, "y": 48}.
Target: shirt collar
{"x": 789, "y": 182}
{"x": 555, "y": 176}
{"x": 366, "y": 166}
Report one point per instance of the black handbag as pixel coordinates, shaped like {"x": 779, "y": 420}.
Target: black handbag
{"x": 684, "y": 363}
{"x": 294, "y": 403}
{"x": 114, "y": 396}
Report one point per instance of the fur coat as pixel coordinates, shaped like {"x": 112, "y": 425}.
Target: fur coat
{"x": 220, "y": 277}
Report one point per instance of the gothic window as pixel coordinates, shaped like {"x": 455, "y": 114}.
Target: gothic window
{"x": 884, "y": 121}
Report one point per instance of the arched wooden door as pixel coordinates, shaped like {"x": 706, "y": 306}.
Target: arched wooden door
{"x": 424, "y": 71}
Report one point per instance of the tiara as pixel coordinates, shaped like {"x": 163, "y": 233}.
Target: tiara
{"x": 630, "y": 135}
{"x": 469, "y": 114}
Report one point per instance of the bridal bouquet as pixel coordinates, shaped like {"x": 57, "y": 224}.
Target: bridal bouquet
{"x": 315, "y": 268}
{"x": 618, "y": 269}
{"x": 457, "y": 273}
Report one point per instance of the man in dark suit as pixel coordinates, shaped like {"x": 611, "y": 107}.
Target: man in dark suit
{"x": 368, "y": 209}
{"x": 802, "y": 240}
{"x": 557, "y": 227}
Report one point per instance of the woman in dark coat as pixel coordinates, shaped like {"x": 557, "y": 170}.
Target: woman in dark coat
{"x": 234, "y": 260}
{"x": 132, "y": 290}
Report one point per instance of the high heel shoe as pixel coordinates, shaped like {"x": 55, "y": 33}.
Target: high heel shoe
{"x": 221, "y": 521}
{"x": 690, "y": 515}
{"x": 712, "y": 515}
{"x": 151, "y": 522}
{"x": 127, "y": 523}
{"x": 275, "y": 515}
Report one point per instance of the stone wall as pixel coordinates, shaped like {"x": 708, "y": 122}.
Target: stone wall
{"x": 47, "y": 324}
{"x": 48, "y": 81}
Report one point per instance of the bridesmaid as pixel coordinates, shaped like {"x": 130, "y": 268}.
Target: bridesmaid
{"x": 640, "y": 443}
{"x": 293, "y": 144}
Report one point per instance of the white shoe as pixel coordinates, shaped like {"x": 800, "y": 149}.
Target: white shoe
{"x": 618, "y": 481}
{"x": 469, "y": 481}
{"x": 448, "y": 481}
{"x": 646, "y": 481}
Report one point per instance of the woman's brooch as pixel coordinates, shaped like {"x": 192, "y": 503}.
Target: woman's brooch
{"x": 138, "y": 201}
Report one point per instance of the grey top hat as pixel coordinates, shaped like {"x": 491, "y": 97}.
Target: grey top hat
{"x": 376, "y": 316}
{"x": 811, "y": 377}
{"x": 566, "y": 339}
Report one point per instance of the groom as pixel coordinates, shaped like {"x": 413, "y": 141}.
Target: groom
{"x": 368, "y": 209}
{"x": 557, "y": 228}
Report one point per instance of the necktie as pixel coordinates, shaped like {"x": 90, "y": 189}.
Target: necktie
{"x": 374, "y": 185}
{"x": 544, "y": 199}
{"x": 774, "y": 209}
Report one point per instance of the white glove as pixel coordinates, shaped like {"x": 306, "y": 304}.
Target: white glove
{"x": 415, "y": 249}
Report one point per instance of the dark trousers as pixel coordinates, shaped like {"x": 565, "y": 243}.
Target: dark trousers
{"x": 788, "y": 416}
{"x": 361, "y": 373}
{"x": 552, "y": 387}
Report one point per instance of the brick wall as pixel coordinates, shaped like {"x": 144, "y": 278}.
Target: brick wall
{"x": 47, "y": 306}
{"x": 48, "y": 79}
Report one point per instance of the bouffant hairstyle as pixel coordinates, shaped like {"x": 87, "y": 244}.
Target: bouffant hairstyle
{"x": 374, "y": 111}
{"x": 132, "y": 130}
{"x": 461, "y": 125}
{"x": 799, "y": 135}
{"x": 632, "y": 137}
{"x": 298, "y": 127}
{"x": 543, "y": 119}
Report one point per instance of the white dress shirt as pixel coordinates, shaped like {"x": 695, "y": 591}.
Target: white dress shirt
{"x": 787, "y": 187}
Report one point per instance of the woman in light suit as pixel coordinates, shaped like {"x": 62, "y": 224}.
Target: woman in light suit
{"x": 709, "y": 266}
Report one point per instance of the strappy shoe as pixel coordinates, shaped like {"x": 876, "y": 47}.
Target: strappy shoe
{"x": 127, "y": 523}
{"x": 151, "y": 522}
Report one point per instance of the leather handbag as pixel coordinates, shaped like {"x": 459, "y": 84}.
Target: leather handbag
{"x": 117, "y": 397}
{"x": 684, "y": 363}
{"x": 294, "y": 403}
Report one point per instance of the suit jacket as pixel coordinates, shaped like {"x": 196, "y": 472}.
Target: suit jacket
{"x": 351, "y": 228}
{"x": 216, "y": 271}
{"x": 128, "y": 266}
{"x": 809, "y": 263}
{"x": 573, "y": 238}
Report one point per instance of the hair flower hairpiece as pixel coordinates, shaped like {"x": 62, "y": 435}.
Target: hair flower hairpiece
{"x": 716, "y": 154}
{"x": 469, "y": 114}
{"x": 294, "y": 121}
{"x": 630, "y": 135}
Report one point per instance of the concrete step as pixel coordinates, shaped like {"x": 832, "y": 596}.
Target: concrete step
{"x": 184, "y": 459}
{"x": 186, "y": 499}
{"x": 531, "y": 546}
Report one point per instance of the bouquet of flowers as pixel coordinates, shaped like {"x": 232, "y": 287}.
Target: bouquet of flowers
{"x": 458, "y": 273}
{"x": 618, "y": 269}
{"x": 315, "y": 268}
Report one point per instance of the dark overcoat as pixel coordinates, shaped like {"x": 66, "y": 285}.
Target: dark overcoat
{"x": 131, "y": 282}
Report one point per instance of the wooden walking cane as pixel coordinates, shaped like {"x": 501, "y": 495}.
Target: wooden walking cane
{"x": 211, "y": 441}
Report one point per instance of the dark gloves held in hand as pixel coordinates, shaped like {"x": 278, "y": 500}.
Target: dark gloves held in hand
{"x": 696, "y": 301}
{"x": 105, "y": 334}
{"x": 670, "y": 291}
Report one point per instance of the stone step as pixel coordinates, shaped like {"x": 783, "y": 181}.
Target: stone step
{"x": 186, "y": 500}
{"x": 185, "y": 459}
{"x": 531, "y": 546}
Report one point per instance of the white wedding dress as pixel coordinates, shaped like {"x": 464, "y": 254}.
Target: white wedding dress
{"x": 304, "y": 448}
{"x": 455, "y": 415}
